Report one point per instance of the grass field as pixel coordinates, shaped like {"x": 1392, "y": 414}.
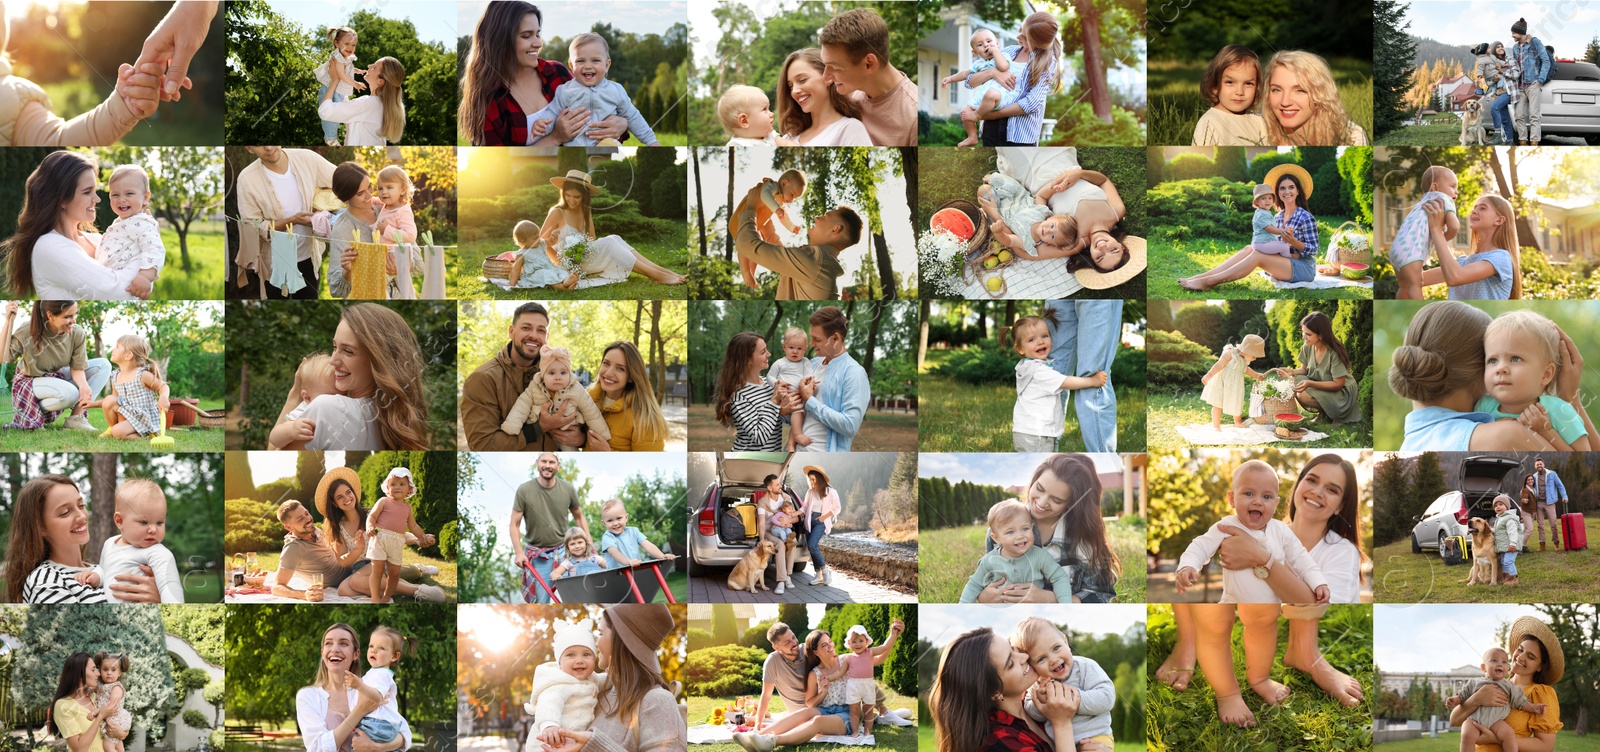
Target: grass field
{"x": 1185, "y": 258}
{"x": 959, "y": 417}
{"x": 895, "y": 738}
{"x": 1168, "y": 411}
{"x": 206, "y": 260}
{"x": 1565, "y": 742}
{"x": 445, "y": 579}
{"x": 928, "y": 741}
{"x": 1545, "y": 576}
{"x": 1440, "y": 134}
{"x": 881, "y": 431}
{"x": 170, "y": 126}
{"x": 57, "y": 438}
{"x": 465, "y": 280}
{"x": 947, "y": 560}
{"x": 1176, "y": 104}
{"x": 1307, "y": 720}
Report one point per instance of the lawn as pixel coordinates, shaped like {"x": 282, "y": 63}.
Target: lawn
{"x": 1185, "y": 258}
{"x": 881, "y": 431}
{"x": 1545, "y": 576}
{"x": 947, "y": 560}
{"x": 1434, "y": 134}
{"x": 168, "y": 127}
{"x": 203, "y": 281}
{"x": 928, "y": 741}
{"x": 1176, "y": 104}
{"x": 465, "y": 280}
{"x": 445, "y": 579}
{"x": 1565, "y": 741}
{"x": 959, "y": 417}
{"x": 57, "y": 438}
{"x": 1308, "y": 720}
{"x": 1169, "y": 410}
{"x": 895, "y": 738}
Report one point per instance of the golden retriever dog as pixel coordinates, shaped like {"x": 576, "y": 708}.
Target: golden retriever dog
{"x": 1472, "y": 130}
{"x": 751, "y": 570}
{"x": 1485, "y": 564}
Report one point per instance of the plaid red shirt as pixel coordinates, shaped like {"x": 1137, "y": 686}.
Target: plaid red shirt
{"x": 1008, "y": 733}
{"x": 505, "y": 124}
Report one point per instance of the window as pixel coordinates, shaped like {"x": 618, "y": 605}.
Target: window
{"x": 954, "y": 87}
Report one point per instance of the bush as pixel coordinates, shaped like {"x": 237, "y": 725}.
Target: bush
{"x": 755, "y": 636}
{"x": 1365, "y": 394}
{"x": 1326, "y": 200}
{"x": 1202, "y": 324}
{"x": 1355, "y": 170}
{"x": 216, "y": 738}
{"x": 1203, "y": 208}
{"x": 1077, "y": 125}
{"x": 251, "y": 525}
{"x": 195, "y": 719}
{"x": 698, "y": 636}
{"x": 1175, "y": 361}
{"x": 1191, "y": 166}
{"x": 723, "y": 671}
{"x": 1128, "y": 367}
{"x": 1263, "y": 164}
{"x": 449, "y": 540}
{"x": 983, "y": 363}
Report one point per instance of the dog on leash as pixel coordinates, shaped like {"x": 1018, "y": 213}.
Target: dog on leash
{"x": 750, "y": 573}
{"x": 1485, "y": 564}
{"x": 1472, "y": 130}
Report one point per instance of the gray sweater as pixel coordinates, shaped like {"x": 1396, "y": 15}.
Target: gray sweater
{"x": 660, "y": 726}
{"x": 1097, "y": 695}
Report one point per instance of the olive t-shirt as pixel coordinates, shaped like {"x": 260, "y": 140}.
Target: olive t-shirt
{"x": 312, "y": 557}
{"x": 56, "y": 351}
{"x": 546, "y": 512}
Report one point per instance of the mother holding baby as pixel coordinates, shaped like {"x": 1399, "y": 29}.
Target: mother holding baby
{"x": 352, "y": 185}
{"x": 746, "y": 402}
{"x": 49, "y": 529}
{"x": 1493, "y": 270}
{"x": 1291, "y": 188}
{"x": 636, "y": 711}
{"x": 977, "y": 699}
{"x": 52, "y": 254}
{"x": 327, "y": 711}
{"x": 1018, "y": 120}
{"x": 1063, "y": 499}
{"x": 378, "y": 119}
{"x": 1537, "y": 663}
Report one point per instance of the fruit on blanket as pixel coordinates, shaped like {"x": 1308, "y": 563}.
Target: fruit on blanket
{"x": 1288, "y": 421}
{"x": 990, "y": 263}
{"x": 1355, "y": 271}
{"x": 954, "y": 221}
{"x": 1005, "y": 256}
{"x": 993, "y": 284}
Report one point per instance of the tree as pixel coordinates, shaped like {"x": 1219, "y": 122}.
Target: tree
{"x": 1392, "y": 500}
{"x": 723, "y": 630}
{"x": 54, "y": 632}
{"x": 1093, "y": 63}
{"x": 1509, "y": 189}
{"x": 699, "y": 200}
{"x": 794, "y": 615}
{"x": 1427, "y": 480}
{"x": 102, "y": 485}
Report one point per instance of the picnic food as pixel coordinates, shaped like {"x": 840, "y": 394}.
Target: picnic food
{"x": 1355, "y": 271}
{"x": 955, "y": 222}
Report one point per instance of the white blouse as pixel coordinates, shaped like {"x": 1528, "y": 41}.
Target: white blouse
{"x": 844, "y": 132}
{"x": 311, "y": 710}
{"x": 63, "y": 271}
{"x": 362, "y": 115}
{"x": 345, "y": 423}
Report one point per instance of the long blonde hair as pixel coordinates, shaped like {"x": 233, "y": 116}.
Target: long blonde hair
{"x": 1328, "y": 124}
{"x": 394, "y": 108}
{"x": 391, "y": 346}
{"x": 790, "y": 118}
{"x": 139, "y": 348}
{"x": 1044, "y": 57}
{"x": 648, "y": 422}
{"x": 1504, "y": 237}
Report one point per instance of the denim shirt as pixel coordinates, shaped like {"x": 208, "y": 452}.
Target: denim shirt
{"x": 1532, "y": 60}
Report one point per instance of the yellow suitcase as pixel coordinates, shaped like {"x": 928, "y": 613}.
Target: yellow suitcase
{"x": 747, "y": 514}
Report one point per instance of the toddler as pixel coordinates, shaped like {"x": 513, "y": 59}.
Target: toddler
{"x": 782, "y": 521}
{"x": 1507, "y": 532}
{"x": 566, "y": 690}
{"x": 141, "y": 519}
{"x": 396, "y": 223}
{"x": 1261, "y": 237}
{"x": 531, "y": 259}
{"x": 791, "y": 185}
{"x": 625, "y": 546}
{"x": 589, "y": 57}
{"x": 578, "y": 557}
{"x": 137, "y": 406}
{"x": 134, "y": 239}
{"x": 1224, "y": 383}
{"x": 794, "y": 368}
{"x": 1254, "y": 498}
{"x": 387, "y": 525}
{"x": 339, "y": 72}
{"x": 1014, "y": 557}
{"x": 552, "y": 384}
{"x": 1522, "y": 360}
{"x": 746, "y": 112}
{"x": 1490, "y": 719}
{"x": 315, "y": 378}
{"x": 27, "y": 119}
{"x": 384, "y": 648}
{"x": 1232, "y": 86}
{"x": 1412, "y": 242}
{"x": 112, "y": 666}
{"x": 985, "y": 96}
{"x": 1051, "y": 657}
{"x": 860, "y": 691}
{"x": 1038, "y": 417}
{"x": 1042, "y": 235}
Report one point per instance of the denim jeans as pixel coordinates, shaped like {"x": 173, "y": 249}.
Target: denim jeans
{"x": 814, "y": 542}
{"x": 378, "y": 729}
{"x": 1508, "y": 562}
{"x": 57, "y": 395}
{"x": 330, "y": 129}
{"x": 1085, "y": 339}
{"x": 1501, "y": 110}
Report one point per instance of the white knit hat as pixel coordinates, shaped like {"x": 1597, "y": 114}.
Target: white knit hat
{"x": 581, "y": 633}
{"x": 854, "y": 630}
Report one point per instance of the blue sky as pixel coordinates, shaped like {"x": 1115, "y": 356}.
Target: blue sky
{"x": 1566, "y": 26}
{"x": 941, "y": 624}
{"x": 1431, "y": 637}
{"x": 501, "y": 473}
{"x": 435, "y": 22}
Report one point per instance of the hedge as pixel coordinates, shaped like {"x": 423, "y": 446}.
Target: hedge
{"x": 1175, "y": 361}
{"x": 723, "y": 671}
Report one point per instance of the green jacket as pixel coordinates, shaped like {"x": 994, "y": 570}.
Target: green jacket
{"x": 1507, "y": 531}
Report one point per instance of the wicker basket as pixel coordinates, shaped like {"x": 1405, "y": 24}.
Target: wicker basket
{"x": 1348, "y": 256}
{"x": 1271, "y": 406}
{"x": 496, "y": 268}
{"x": 977, "y": 246}
{"x": 211, "y": 418}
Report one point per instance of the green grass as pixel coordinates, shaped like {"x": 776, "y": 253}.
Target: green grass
{"x": 445, "y": 579}
{"x": 957, "y": 417}
{"x": 1186, "y": 258}
{"x": 895, "y": 738}
{"x": 57, "y": 438}
{"x": 672, "y": 139}
{"x": 207, "y": 265}
{"x": 1544, "y": 576}
{"x": 1440, "y": 134}
{"x": 1567, "y": 742}
{"x": 173, "y": 124}
{"x": 1168, "y": 411}
{"x": 1308, "y": 720}
{"x": 928, "y": 741}
{"x": 881, "y": 431}
{"x": 947, "y": 557}
{"x": 465, "y": 283}
{"x": 1176, "y": 104}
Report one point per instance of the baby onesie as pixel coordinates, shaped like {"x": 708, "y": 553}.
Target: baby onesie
{"x": 285, "y": 264}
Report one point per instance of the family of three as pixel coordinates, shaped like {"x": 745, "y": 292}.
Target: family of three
{"x": 823, "y": 399}
{"x": 828, "y": 694}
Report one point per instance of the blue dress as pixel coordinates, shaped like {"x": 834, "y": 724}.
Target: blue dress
{"x": 538, "y": 271}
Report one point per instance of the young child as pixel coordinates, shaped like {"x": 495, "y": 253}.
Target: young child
{"x": 1029, "y": 219}
{"x": 1507, "y": 533}
{"x": 396, "y": 223}
{"x": 1051, "y": 656}
{"x": 27, "y": 119}
{"x": 566, "y": 690}
{"x": 532, "y": 267}
{"x": 1412, "y": 242}
{"x": 579, "y": 557}
{"x": 133, "y": 241}
{"x": 338, "y": 71}
{"x": 315, "y": 377}
{"x": 1261, "y": 238}
{"x": 746, "y": 112}
{"x": 985, "y": 96}
{"x": 1254, "y": 498}
{"x": 782, "y": 520}
{"x": 140, "y": 397}
{"x": 1224, "y": 383}
{"x": 1232, "y": 86}
{"x": 385, "y": 647}
{"x": 112, "y": 667}
{"x": 625, "y": 546}
{"x": 860, "y": 691}
{"x": 1038, "y": 418}
{"x": 775, "y": 196}
{"x": 1014, "y": 557}
{"x": 794, "y": 368}
{"x": 141, "y": 519}
{"x": 1491, "y": 719}
{"x": 387, "y": 525}
{"x": 589, "y": 57}
{"x": 1522, "y": 360}
{"x": 552, "y": 384}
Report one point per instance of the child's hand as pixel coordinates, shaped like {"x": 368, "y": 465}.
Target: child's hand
{"x": 666, "y": 555}
{"x": 551, "y": 736}
{"x": 1512, "y": 548}
{"x": 139, "y": 288}
{"x": 1451, "y": 701}
{"x": 1186, "y": 578}
{"x": 302, "y": 430}
{"x": 1321, "y": 593}
{"x": 358, "y": 86}
{"x": 87, "y": 577}
{"x": 1536, "y": 708}
{"x": 351, "y": 680}
{"x": 139, "y": 88}
{"x": 1097, "y": 380}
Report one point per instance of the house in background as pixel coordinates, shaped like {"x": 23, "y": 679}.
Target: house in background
{"x": 1566, "y": 230}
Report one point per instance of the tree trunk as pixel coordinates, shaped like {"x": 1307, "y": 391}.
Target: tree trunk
{"x": 728, "y": 251}
{"x": 983, "y": 319}
{"x": 638, "y": 321}
{"x": 656, "y": 349}
{"x": 1525, "y": 235}
{"x": 925, "y": 309}
{"x": 885, "y": 267}
{"x": 1011, "y": 313}
{"x": 102, "y": 493}
{"x": 699, "y": 203}
{"x": 777, "y": 318}
{"x": 879, "y": 310}
{"x": 1094, "y": 65}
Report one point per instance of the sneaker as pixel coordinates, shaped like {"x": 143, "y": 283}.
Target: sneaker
{"x": 79, "y": 423}
{"x": 427, "y": 570}
{"x": 778, "y": 590}
{"x": 430, "y": 594}
{"x": 763, "y": 742}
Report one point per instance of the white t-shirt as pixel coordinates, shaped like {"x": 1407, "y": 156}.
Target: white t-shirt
{"x": 382, "y": 679}
{"x": 789, "y": 372}
{"x": 346, "y": 423}
{"x": 311, "y": 711}
{"x": 63, "y": 271}
{"x": 1340, "y": 563}
{"x": 1242, "y": 585}
{"x": 1038, "y": 411}
{"x": 287, "y": 187}
{"x": 117, "y": 558}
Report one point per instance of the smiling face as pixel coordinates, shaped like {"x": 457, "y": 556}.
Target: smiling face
{"x": 1528, "y": 659}
{"x": 615, "y": 518}
{"x": 1236, "y": 92}
{"x": 381, "y": 651}
{"x": 858, "y": 643}
{"x": 362, "y": 200}
{"x": 808, "y": 86}
{"x": 529, "y": 333}
{"x": 347, "y": 45}
{"x": 577, "y": 662}
{"x": 603, "y": 642}
{"x": 825, "y": 344}
{"x": 344, "y": 497}
{"x": 299, "y": 523}
{"x": 1483, "y": 218}
{"x": 352, "y": 365}
{"x": 573, "y": 196}
{"x": 338, "y": 649}
{"x": 529, "y": 41}
{"x": 578, "y": 546}
{"x": 59, "y": 323}
{"x": 1264, "y": 202}
{"x": 129, "y": 194}
{"x": 1496, "y": 664}
{"x": 1254, "y": 496}
{"x": 1033, "y": 339}
{"x": 143, "y": 520}
{"x": 392, "y": 193}
{"x": 1288, "y": 99}
{"x": 1051, "y": 656}
{"x": 548, "y": 465}
{"x": 613, "y": 374}
{"x": 1515, "y": 369}
{"x": 1012, "y": 534}
{"x": 91, "y": 675}
{"x": 557, "y": 376}
{"x": 589, "y": 62}
{"x": 760, "y": 357}
{"x": 788, "y": 645}
{"x": 1288, "y": 191}
{"x": 1054, "y": 230}
{"x": 1016, "y": 673}
{"x": 1319, "y": 496}
{"x": 66, "y": 520}
{"x": 1048, "y": 497}
{"x": 846, "y": 75}
{"x": 80, "y": 208}
{"x": 400, "y": 488}
{"x": 1105, "y": 251}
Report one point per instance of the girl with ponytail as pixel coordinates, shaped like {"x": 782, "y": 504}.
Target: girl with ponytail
{"x": 141, "y": 397}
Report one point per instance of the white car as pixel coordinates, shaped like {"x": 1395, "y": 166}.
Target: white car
{"x": 1447, "y": 516}
{"x": 1570, "y": 102}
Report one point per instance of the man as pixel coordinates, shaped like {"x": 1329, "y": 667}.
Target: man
{"x": 1533, "y": 62}
{"x": 275, "y": 193}
{"x": 808, "y": 272}
{"x": 305, "y": 550}
{"x": 855, "y": 59}
{"x": 1084, "y": 338}
{"x": 838, "y": 401}
{"x": 490, "y": 391}
{"x": 538, "y": 520}
{"x": 785, "y": 670}
{"x": 1547, "y": 491}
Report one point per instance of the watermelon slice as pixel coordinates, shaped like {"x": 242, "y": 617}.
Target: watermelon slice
{"x": 954, "y": 221}
{"x": 1354, "y": 271}
{"x": 1288, "y": 421}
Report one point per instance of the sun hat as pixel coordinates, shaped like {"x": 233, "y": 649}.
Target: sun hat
{"x": 581, "y": 633}
{"x": 1253, "y": 346}
{"x": 1138, "y": 259}
{"x": 1530, "y": 626}
{"x": 1290, "y": 168}
{"x": 347, "y": 474}
{"x": 577, "y": 177}
{"x": 1261, "y": 190}
{"x": 400, "y": 472}
{"x": 641, "y": 628}
{"x": 809, "y": 469}
{"x": 857, "y": 629}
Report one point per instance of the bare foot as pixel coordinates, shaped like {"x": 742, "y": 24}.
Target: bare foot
{"x": 1339, "y": 685}
{"x": 1171, "y": 675}
{"x": 1232, "y": 710}
{"x": 968, "y": 141}
{"x": 1216, "y": 426}
{"x": 1270, "y": 691}
{"x": 803, "y": 440}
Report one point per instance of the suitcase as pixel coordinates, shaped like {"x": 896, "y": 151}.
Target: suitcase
{"x": 1573, "y": 535}
{"x": 747, "y": 515}
{"x": 1455, "y": 550}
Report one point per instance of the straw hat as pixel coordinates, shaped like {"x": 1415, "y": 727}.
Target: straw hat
{"x": 641, "y": 628}
{"x": 1253, "y": 346}
{"x": 1095, "y": 279}
{"x": 1530, "y": 626}
{"x": 1289, "y": 168}
{"x": 809, "y": 469}
{"x": 338, "y": 473}
{"x": 576, "y": 177}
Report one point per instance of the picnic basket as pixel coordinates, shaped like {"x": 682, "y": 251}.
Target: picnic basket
{"x": 1347, "y": 254}
{"x": 495, "y": 267}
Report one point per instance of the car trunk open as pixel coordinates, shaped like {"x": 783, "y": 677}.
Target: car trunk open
{"x": 1481, "y": 479}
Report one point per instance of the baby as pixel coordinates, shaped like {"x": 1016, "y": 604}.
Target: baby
{"x": 782, "y": 520}
{"x": 1490, "y": 719}
{"x": 625, "y": 546}
{"x": 113, "y": 666}
{"x": 1522, "y": 360}
{"x": 396, "y": 223}
{"x": 338, "y": 71}
{"x": 315, "y": 377}
{"x": 384, "y": 648}
{"x": 26, "y": 118}
{"x": 141, "y": 517}
{"x": 579, "y": 557}
{"x": 566, "y": 690}
{"x": 1044, "y": 235}
{"x": 1232, "y": 86}
{"x": 1507, "y": 533}
{"x": 133, "y": 241}
{"x": 1224, "y": 383}
{"x": 552, "y": 384}
{"x": 1014, "y": 557}
{"x": 746, "y": 112}
{"x": 589, "y": 57}
{"x": 1038, "y": 418}
{"x": 794, "y": 368}
{"x": 985, "y": 96}
{"x": 1254, "y": 498}
{"x": 775, "y": 196}
{"x": 387, "y": 524}
{"x": 1051, "y": 657}
{"x": 1261, "y": 238}
{"x": 531, "y": 260}
{"x": 1412, "y": 242}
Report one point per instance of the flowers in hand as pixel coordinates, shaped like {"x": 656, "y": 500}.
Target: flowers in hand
{"x": 573, "y": 248}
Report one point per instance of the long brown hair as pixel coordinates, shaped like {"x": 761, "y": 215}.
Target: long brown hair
{"x": 1322, "y": 326}
{"x": 1084, "y": 524}
{"x": 648, "y": 422}
{"x": 792, "y": 119}
{"x": 1043, "y": 33}
{"x": 321, "y": 681}
{"x": 1347, "y": 523}
{"x": 812, "y": 640}
{"x": 28, "y": 548}
{"x": 393, "y": 75}
{"x": 630, "y": 678}
{"x": 587, "y": 205}
{"x": 42, "y": 309}
{"x": 391, "y": 346}
{"x": 53, "y": 183}
{"x": 821, "y": 480}
{"x": 730, "y": 378}
{"x": 961, "y": 713}
{"x": 491, "y": 63}
{"x": 72, "y": 674}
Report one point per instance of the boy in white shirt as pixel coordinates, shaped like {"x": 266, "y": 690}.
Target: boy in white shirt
{"x": 141, "y": 517}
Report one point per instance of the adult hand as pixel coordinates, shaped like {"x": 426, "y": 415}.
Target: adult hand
{"x": 388, "y": 263}
{"x": 85, "y": 397}
{"x": 314, "y": 594}
{"x": 808, "y": 388}
{"x": 568, "y": 124}
{"x": 1090, "y": 745}
{"x": 140, "y": 88}
{"x": 347, "y": 259}
{"x": 1567, "y": 382}
{"x": 597, "y": 443}
{"x": 1239, "y": 551}
{"x": 359, "y": 741}
{"x": 1006, "y": 79}
{"x": 552, "y": 416}
{"x": 1489, "y": 696}
{"x": 11, "y": 309}
{"x": 519, "y": 558}
{"x": 1301, "y": 386}
{"x": 570, "y": 436}
{"x": 1435, "y": 211}
{"x": 614, "y": 126}
{"x": 1055, "y": 700}
{"x": 1000, "y": 592}
{"x": 137, "y": 588}
{"x": 174, "y": 42}
{"x": 571, "y": 741}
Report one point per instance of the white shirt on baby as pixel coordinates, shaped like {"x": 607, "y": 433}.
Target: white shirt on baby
{"x": 325, "y": 77}
{"x": 382, "y": 679}
{"x": 789, "y": 372}
{"x": 1242, "y": 585}
{"x": 118, "y": 559}
{"x": 133, "y": 243}
{"x": 770, "y": 140}
{"x": 299, "y": 410}
{"x": 1038, "y": 411}
{"x": 792, "y": 373}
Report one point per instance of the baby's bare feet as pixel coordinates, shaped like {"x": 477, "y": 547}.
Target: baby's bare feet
{"x": 1270, "y": 691}
{"x": 1232, "y": 710}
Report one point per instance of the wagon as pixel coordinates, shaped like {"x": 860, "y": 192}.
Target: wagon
{"x": 615, "y": 585}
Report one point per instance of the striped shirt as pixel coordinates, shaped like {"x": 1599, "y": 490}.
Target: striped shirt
{"x": 756, "y": 423}
{"x": 52, "y": 583}
{"x": 1025, "y": 128}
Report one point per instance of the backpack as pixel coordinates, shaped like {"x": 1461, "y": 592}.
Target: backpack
{"x": 731, "y": 525}
{"x": 1549, "y": 54}
{"x": 1454, "y": 550}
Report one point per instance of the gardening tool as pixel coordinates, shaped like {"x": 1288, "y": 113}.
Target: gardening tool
{"x": 162, "y": 440}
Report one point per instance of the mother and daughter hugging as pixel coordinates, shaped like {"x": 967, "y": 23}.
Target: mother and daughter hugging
{"x": 343, "y": 708}
{"x": 88, "y": 711}
{"x": 1301, "y": 106}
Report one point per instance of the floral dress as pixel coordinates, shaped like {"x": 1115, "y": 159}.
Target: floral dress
{"x": 121, "y": 720}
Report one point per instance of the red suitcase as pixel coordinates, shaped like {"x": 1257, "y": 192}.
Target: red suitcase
{"x": 1573, "y": 536}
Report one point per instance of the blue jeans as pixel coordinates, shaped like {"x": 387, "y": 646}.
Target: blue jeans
{"x": 378, "y": 730}
{"x": 59, "y": 395}
{"x": 1501, "y": 111}
{"x": 542, "y": 565}
{"x": 330, "y": 129}
{"x": 1508, "y": 562}
{"x": 1085, "y": 339}
{"x": 814, "y": 543}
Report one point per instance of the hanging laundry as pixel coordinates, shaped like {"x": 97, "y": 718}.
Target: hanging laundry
{"x": 403, "y": 288}
{"x": 285, "y": 271}
{"x": 367, "y": 278}
{"x": 433, "y": 275}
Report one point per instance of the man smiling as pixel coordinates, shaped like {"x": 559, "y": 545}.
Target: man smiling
{"x": 490, "y": 392}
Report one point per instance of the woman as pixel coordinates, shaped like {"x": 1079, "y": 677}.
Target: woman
{"x": 378, "y": 119}
{"x": 622, "y": 390}
{"x": 977, "y": 694}
{"x": 1061, "y": 498}
{"x": 1291, "y": 187}
{"x": 344, "y": 523}
{"x": 1021, "y": 112}
{"x": 377, "y": 366}
{"x": 52, "y": 253}
{"x": 1097, "y": 211}
{"x": 745, "y": 401}
{"x": 1324, "y": 383}
{"x": 1324, "y": 514}
{"x": 75, "y": 715}
{"x": 1302, "y": 107}
{"x": 1493, "y": 271}
{"x": 637, "y": 712}
{"x": 832, "y": 716}
{"x": 1526, "y": 502}
{"x": 49, "y": 528}
{"x": 819, "y": 509}
{"x": 1537, "y": 663}
{"x": 505, "y": 80}
{"x": 54, "y": 372}
{"x": 353, "y": 186}
{"x": 1500, "y": 88}
{"x": 607, "y": 260}
{"x": 328, "y": 711}
{"x": 810, "y": 110}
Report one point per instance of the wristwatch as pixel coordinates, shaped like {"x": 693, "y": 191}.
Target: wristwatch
{"x": 1263, "y": 572}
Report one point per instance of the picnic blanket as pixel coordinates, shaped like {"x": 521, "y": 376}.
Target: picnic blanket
{"x": 1321, "y": 282}
{"x": 709, "y": 734}
{"x": 1251, "y": 433}
{"x": 583, "y": 284}
{"x": 299, "y": 582}
{"x": 1029, "y": 280}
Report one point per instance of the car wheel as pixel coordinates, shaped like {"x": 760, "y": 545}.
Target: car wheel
{"x": 696, "y": 569}
{"x": 1416, "y": 546}
{"x": 1442, "y": 536}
